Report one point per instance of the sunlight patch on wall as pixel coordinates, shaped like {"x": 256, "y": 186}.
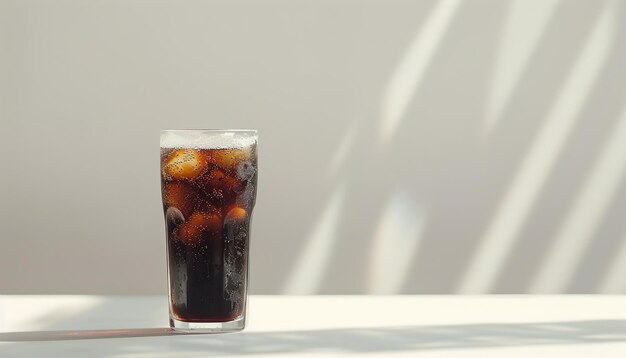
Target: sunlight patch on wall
{"x": 412, "y": 67}
{"x": 340, "y": 155}
{"x": 524, "y": 26}
{"x": 543, "y": 152}
{"x": 614, "y": 280}
{"x": 394, "y": 245}
{"x": 584, "y": 217}
{"x": 312, "y": 263}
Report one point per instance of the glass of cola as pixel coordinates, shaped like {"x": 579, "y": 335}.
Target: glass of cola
{"x": 208, "y": 186}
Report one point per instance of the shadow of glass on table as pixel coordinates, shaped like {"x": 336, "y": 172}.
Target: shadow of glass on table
{"x": 375, "y": 339}
{"x": 82, "y": 334}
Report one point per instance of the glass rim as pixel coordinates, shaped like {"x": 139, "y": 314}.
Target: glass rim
{"x": 211, "y": 130}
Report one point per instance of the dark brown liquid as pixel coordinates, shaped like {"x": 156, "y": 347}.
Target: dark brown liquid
{"x": 208, "y": 197}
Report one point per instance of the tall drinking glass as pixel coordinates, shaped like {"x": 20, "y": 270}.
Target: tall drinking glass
{"x": 208, "y": 185}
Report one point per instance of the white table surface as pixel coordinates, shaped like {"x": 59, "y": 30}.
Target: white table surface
{"x": 322, "y": 326}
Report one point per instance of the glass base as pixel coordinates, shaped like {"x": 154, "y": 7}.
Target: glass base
{"x": 208, "y": 327}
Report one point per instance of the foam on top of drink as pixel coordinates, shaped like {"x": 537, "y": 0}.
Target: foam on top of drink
{"x": 207, "y": 139}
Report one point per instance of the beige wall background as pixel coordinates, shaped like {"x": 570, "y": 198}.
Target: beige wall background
{"x": 405, "y": 146}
